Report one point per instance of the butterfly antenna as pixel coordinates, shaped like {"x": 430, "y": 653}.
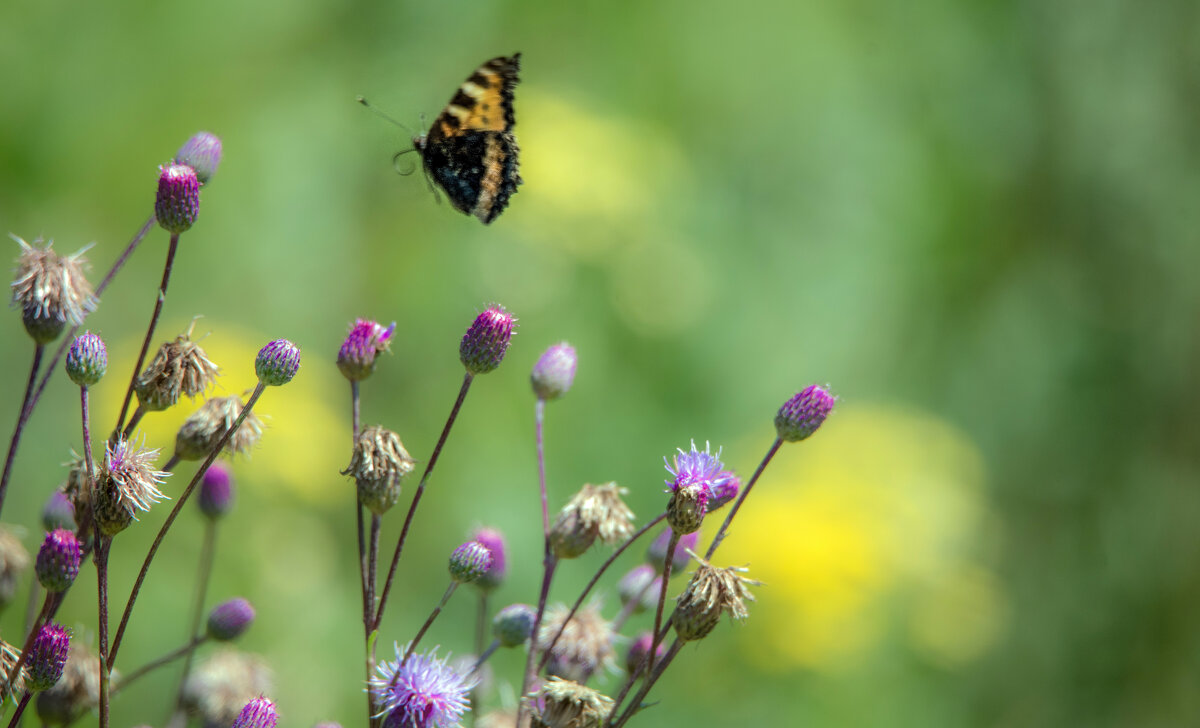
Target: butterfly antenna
{"x": 403, "y": 171}
{"x": 375, "y": 110}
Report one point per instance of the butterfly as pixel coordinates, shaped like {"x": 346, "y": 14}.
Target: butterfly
{"x": 470, "y": 150}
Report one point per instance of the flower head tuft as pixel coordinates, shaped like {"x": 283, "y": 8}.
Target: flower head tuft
{"x": 50, "y": 289}
{"x": 554, "y": 372}
{"x": 596, "y": 511}
{"x": 378, "y": 463}
{"x": 710, "y": 592}
{"x": 566, "y": 704}
{"x": 47, "y": 656}
{"x": 421, "y": 692}
{"x": 179, "y": 367}
{"x": 202, "y": 153}
{"x": 201, "y": 431}
{"x": 87, "y": 359}
{"x": 128, "y": 482}
{"x": 58, "y": 560}
{"x": 277, "y": 363}
{"x": 178, "y": 201}
{"x": 495, "y": 574}
{"x": 487, "y": 339}
{"x": 356, "y": 358}
{"x": 800, "y": 416}
{"x": 258, "y": 713}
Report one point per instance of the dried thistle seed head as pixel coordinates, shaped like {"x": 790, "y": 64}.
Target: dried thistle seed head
{"x": 87, "y": 359}
{"x": 258, "y": 713}
{"x": 202, "y": 153}
{"x": 554, "y": 372}
{"x": 179, "y": 367}
{"x": 566, "y": 704}
{"x": 216, "y": 491}
{"x": 177, "y": 204}
{"x": 14, "y": 560}
{"x": 8, "y": 659}
{"x": 487, "y": 339}
{"x": 126, "y": 483}
{"x": 356, "y": 358}
{"x": 228, "y": 620}
{"x": 585, "y": 646}
{"x": 710, "y": 592}
{"x": 47, "y": 656}
{"x": 221, "y": 686}
{"x": 50, "y": 289}
{"x": 378, "y": 464}
{"x": 59, "y": 512}
{"x": 596, "y": 511}
{"x": 77, "y": 693}
{"x": 58, "y": 560}
{"x": 424, "y": 691}
{"x": 277, "y": 363}
{"x": 800, "y": 416}
{"x": 469, "y": 561}
{"x": 638, "y": 650}
{"x": 495, "y": 574}
{"x": 640, "y": 587}
{"x": 656, "y": 553}
{"x": 201, "y": 432}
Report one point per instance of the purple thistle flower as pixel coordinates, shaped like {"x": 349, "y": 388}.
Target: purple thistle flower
{"x": 277, "y": 362}
{"x": 178, "y": 201}
{"x": 800, "y": 416}
{"x": 486, "y": 341}
{"x": 59, "y": 512}
{"x": 58, "y": 560}
{"x": 356, "y": 358}
{"x": 423, "y": 692}
{"x": 228, "y": 620}
{"x": 469, "y": 561}
{"x": 47, "y": 656}
{"x": 87, "y": 359}
{"x": 258, "y": 713}
{"x": 554, "y": 372}
{"x": 216, "y": 491}
{"x": 202, "y": 153}
{"x": 723, "y": 493}
{"x": 695, "y": 467}
{"x": 495, "y": 573}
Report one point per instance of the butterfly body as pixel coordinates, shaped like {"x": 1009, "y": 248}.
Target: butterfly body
{"x": 470, "y": 150}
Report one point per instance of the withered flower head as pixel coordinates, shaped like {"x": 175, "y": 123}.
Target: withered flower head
{"x": 379, "y": 462}
{"x": 8, "y": 658}
{"x": 50, "y": 289}
{"x": 179, "y": 367}
{"x": 77, "y": 692}
{"x": 126, "y": 483}
{"x": 566, "y": 704}
{"x": 200, "y": 433}
{"x": 710, "y": 592}
{"x": 596, "y": 511}
{"x": 221, "y": 686}
{"x": 14, "y": 560}
{"x": 585, "y": 646}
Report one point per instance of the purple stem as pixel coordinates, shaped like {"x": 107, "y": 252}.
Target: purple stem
{"x": 101, "y": 558}
{"x": 162, "y": 532}
{"x": 549, "y": 561}
{"x": 635, "y": 704}
{"x": 187, "y": 650}
{"x": 22, "y": 418}
{"x": 387, "y": 587}
{"x": 158, "y": 306}
{"x": 716, "y": 542}
{"x": 207, "y": 549}
{"x": 662, "y": 599}
{"x": 20, "y": 709}
{"x": 425, "y": 627}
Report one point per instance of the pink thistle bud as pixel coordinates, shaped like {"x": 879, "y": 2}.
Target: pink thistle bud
{"x": 258, "y": 713}
{"x": 228, "y": 620}
{"x": 356, "y": 359}
{"x": 202, "y": 153}
{"x": 47, "y": 656}
{"x": 87, "y": 360}
{"x": 178, "y": 201}
{"x": 800, "y": 416}
{"x": 486, "y": 341}
{"x": 216, "y": 491}
{"x": 495, "y": 574}
{"x": 277, "y": 363}
{"x": 58, "y": 560}
{"x": 469, "y": 561}
{"x": 554, "y": 372}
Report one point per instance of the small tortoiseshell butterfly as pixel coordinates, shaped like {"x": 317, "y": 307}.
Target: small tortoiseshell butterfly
{"x": 470, "y": 151}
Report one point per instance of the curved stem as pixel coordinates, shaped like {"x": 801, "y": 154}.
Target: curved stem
{"x": 539, "y": 417}
{"x": 203, "y": 576}
{"x": 138, "y": 413}
{"x": 425, "y": 627}
{"x": 187, "y": 650}
{"x": 662, "y": 599}
{"x": 162, "y": 532}
{"x": 22, "y": 418}
{"x": 101, "y": 558}
{"x": 716, "y": 542}
{"x": 635, "y": 704}
{"x": 483, "y": 657}
{"x": 20, "y": 709}
{"x": 437, "y": 450}
{"x": 158, "y": 306}
{"x": 595, "y": 579}
{"x": 549, "y": 561}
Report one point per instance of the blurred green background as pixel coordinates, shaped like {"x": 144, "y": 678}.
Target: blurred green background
{"x": 975, "y": 220}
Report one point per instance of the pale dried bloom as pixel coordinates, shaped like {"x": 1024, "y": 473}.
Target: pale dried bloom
{"x": 77, "y": 692}
{"x": 179, "y": 367}
{"x": 586, "y": 643}
{"x": 201, "y": 431}
{"x": 8, "y": 657}
{"x": 378, "y": 463}
{"x": 710, "y": 592}
{"x": 221, "y": 686}
{"x": 566, "y": 704}
{"x": 14, "y": 560}
{"x": 596, "y": 511}
{"x": 128, "y": 482}
{"x": 50, "y": 289}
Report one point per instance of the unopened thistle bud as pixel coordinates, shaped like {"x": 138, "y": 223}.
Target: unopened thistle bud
{"x": 483, "y": 346}
{"x": 47, "y": 656}
{"x": 201, "y": 432}
{"x": 639, "y": 588}
{"x": 277, "y": 363}
{"x": 710, "y": 592}
{"x": 596, "y": 511}
{"x": 638, "y": 650}
{"x": 656, "y": 553}
{"x": 76, "y": 693}
{"x": 58, "y": 560}
{"x": 59, "y": 512}
{"x": 179, "y": 367}
{"x": 127, "y": 483}
{"x": 87, "y": 360}
{"x": 554, "y": 372}
{"x": 258, "y": 713}
{"x": 178, "y": 202}
{"x": 216, "y": 491}
{"x": 724, "y": 491}
{"x": 800, "y": 416}
{"x": 566, "y": 704}
{"x": 586, "y": 644}
{"x": 495, "y": 574}
{"x": 228, "y": 620}
{"x": 469, "y": 561}
{"x": 356, "y": 358}
{"x": 514, "y": 624}
{"x": 14, "y": 560}
{"x": 378, "y": 464}
{"x": 50, "y": 289}
{"x": 202, "y": 153}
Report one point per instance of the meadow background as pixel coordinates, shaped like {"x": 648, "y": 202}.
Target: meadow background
{"x": 977, "y": 221}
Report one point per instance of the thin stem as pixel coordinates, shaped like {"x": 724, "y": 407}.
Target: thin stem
{"x": 629, "y": 608}
{"x": 540, "y": 418}
{"x": 483, "y": 657}
{"x": 549, "y": 561}
{"x": 162, "y": 532}
{"x": 425, "y": 627}
{"x": 22, "y": 418}
{"x": 373, "y": 557}
{"x": 187, "y": 650}
{"x": 662, "y": 599}
{"x": 85, "y": 416}
{"x": 101, "y": 558}
{"x": 437, "y": 450}
{"x": 49, "y": 606}
{"x": 366, "y": 567}
{"x": 138, "y": 413}
{"x": 635, "y": 704}
{"x": 172, "y": 463}
{"x": 158, "y": 306}
{"x": 716, "y": 542}
{"x": 20, "y": 709}
{"x": 595, "y": 579}
{"x": 203, "y": 576}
